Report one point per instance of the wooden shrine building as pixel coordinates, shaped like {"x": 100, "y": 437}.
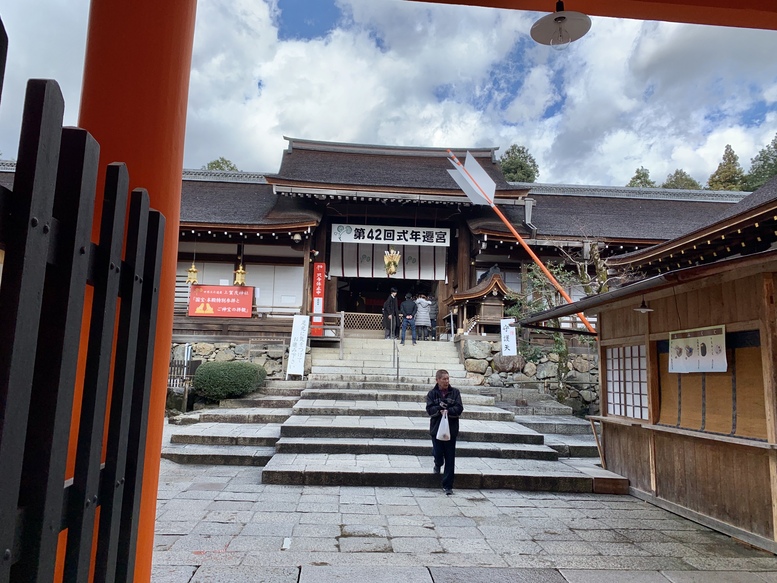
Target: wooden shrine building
{"x": 687, "y": 360}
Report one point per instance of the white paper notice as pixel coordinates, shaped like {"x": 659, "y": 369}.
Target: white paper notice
{"x": 698, "y": 350}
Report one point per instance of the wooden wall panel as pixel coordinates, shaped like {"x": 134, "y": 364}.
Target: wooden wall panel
{"x": 691, "y": 402}
{"x": 719, "y": 394}
{"x": 720, "y": 303}
{"x": 725, "y": 481}
{"x": 627, "y": 452}
{"x": 751, "y": 411}
{"x": 622, "y": 323}
{"x": 668, "y": 392}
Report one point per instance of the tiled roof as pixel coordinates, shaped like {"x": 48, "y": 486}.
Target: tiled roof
{"x": 217, "y": 202}
{"x": 630, "y": 192}
{"x": 378, "y": 167}
{"x": 598, "y": 217}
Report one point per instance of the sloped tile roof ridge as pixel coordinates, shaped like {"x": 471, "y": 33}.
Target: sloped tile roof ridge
{"x": 631, "y": 192}
{"x": 383, "y": 150}
{"x": 224, "y": 176}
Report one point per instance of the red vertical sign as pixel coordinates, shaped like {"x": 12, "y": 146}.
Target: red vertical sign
{"x": 319, "y": 282}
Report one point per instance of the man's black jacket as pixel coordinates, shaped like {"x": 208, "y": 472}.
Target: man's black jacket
{"x": 433, "y": 408}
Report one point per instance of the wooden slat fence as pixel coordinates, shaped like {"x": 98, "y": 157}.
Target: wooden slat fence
{"x": 50, "y": 262}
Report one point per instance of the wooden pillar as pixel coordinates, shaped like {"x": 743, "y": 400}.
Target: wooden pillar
{"x": 133, "y": 101}
{"x": 463, "y": 267}
{"x": 768, "y": 331}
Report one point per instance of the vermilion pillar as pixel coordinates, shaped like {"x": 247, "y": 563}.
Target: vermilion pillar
{"x": 136, "y": 85}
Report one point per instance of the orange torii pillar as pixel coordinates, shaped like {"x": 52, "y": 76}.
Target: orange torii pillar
{"x": 134, "y": 99}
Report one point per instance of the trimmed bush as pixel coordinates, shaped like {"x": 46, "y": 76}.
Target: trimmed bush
{"x": 227, "y": 380}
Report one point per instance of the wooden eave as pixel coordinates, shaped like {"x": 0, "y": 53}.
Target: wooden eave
{"x": 752, "y": 231}
{"x": 251, "y": 228}
{"x": 328, "y": 191}
{"x": 481, "y": 290}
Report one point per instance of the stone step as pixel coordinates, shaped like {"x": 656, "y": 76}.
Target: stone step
{"x": 254, "y": 434}
{"x": 346, "y": 426}
{"x": 384, "y": 386}
{"x": 579, "y": 446}
{"x": 388, "y": 409}
{"x": 245, "y": 415}
{"x": 425, "y": 368}
{"x": 547, "y": 407}
{"x": 416, "y": 396}
{"x": 383, "y": 377}
{"x": 261, "y": 401}
{"x": 557, "y": 424}
{"x": 412, "y": 447}
{"x": 218, "y": 455}
{"x": 415, "y": 471}
{"x": 283, "y": 391}
{"x": 283, "y": 384}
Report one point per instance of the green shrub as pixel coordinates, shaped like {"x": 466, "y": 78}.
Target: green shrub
{"x": 227, "y": 380}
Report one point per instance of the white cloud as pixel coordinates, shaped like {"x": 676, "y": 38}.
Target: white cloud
{"x": 629, "y": 94}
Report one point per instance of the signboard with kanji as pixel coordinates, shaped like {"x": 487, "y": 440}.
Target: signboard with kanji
{"x": 509, "y": 347}
{"x": 298, "y": 346}
{"x": 422, "y": 236}
{"x": 220, "y": 301}
{"x": 319, "y": 283}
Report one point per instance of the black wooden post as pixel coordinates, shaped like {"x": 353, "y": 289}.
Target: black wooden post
{"x": 141, "y": 397}
{"x": 48, "y": 430}
{"x": 27, "y": 248}
{"x": 107, "y": 275}
{"x": 113, "y": 474}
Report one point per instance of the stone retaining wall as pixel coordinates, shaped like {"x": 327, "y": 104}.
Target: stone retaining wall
{"x": 574, "y": 382}
{"x": 269, "y": 355}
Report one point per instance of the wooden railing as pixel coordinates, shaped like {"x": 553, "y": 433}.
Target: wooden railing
{"x": 50, "y": 261}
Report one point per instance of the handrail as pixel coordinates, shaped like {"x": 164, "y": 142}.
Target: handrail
{"x": 395, "y": 356}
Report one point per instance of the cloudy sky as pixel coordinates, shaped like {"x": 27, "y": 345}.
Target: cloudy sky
{"x": 629, "y": 94}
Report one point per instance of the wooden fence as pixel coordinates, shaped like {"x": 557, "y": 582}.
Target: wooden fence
{"x": 50, "y": 261}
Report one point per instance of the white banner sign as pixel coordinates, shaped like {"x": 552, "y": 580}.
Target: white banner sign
{"x": 509, "y": 347}
{"x": 698, "y": 350}
{"x": 298, "y": 346}
{"x": 423, "y": 236}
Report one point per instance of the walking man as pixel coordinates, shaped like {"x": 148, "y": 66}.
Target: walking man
{"x": 407, "y": 311}
{"x": 443, "y": 397}
{"x": 390, "y": 315}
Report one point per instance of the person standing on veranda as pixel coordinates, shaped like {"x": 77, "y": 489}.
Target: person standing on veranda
{"x": 407, "y": 312}
{"x": 391, "y": 315}
{"x": 434, "y": 310}
{"x": 422, "y": 321}
{"x": 443, "y": 397}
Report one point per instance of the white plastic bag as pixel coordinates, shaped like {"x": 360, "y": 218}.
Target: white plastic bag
{"x": 444, "y": 431}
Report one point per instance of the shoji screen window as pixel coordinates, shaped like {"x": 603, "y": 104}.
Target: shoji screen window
{"x": 627, "y": 394}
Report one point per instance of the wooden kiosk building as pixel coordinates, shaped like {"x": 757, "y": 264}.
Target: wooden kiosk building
{"x": 689, "y": 385}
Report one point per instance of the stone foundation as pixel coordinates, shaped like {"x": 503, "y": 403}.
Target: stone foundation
{"x": 512, "y": 379}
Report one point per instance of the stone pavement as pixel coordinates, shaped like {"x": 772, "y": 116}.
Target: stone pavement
{"x": 222, "y": 525}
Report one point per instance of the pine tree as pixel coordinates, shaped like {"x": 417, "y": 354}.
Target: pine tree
{"x": 641, "y": 179}
{"x": 762, "y": 167}
{"x": 221, "y": 164}
{"x": 682, "y": 180}
{"x": 729, "y": 175}
{"x": 518, "y": 165}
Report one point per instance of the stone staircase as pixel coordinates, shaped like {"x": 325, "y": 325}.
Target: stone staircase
{"x": 362, "y": 421}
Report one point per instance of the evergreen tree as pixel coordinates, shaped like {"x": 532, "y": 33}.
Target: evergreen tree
{"x": 729, "y": 175}
{"x": 682, "y": 180}
{"x": 518, "y": 165}
{"x": 762, "y": 167}
{"x": 641, "y": 179}
{"x": 221, "y": 164}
